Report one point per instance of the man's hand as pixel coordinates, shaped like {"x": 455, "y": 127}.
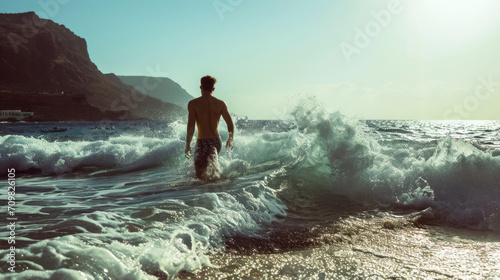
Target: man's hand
{"x": 229, "y": 143}
{"x": 188, "y": 152}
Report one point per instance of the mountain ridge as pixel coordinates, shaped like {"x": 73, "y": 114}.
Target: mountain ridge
{"x": 162, "y": 88}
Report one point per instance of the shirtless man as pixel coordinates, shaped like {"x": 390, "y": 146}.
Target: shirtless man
{"x": 205, "y": 111}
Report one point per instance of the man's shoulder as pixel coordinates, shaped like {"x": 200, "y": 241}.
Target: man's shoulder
{"x": 194, "y": 101}
{"x": 218, "y": 100}
{"x": 202, "y": 100}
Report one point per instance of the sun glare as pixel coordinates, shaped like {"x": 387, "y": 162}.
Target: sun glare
{"x": 455, "y": 11}
{"x": 448, "y": 26}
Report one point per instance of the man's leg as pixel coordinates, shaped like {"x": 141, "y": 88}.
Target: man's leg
{"x": 200, "y": 155}
{"x": 212, "y": 171}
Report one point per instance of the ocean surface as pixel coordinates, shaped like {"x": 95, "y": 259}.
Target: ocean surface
{"x": 316, "y": 196}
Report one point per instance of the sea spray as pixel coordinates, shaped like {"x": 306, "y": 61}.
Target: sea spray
{"x": 459, "y": 181}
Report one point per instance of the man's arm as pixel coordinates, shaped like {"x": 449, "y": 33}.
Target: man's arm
{"x": 190, "y": 129}
{"x": 230, "y": 126}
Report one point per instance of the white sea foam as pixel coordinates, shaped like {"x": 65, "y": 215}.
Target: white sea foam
{"x": 459, "y": 181}
{"x": 143, "y": 242}
{"x": 126, "y": 152}
{"x": 325, "y": 153}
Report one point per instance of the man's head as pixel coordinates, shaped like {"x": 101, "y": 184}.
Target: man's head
{"x": 207, "y": 84}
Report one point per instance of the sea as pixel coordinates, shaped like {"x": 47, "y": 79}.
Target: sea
{"x": 315, "y": 195}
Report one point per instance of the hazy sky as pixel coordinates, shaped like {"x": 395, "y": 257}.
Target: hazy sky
{"x": 374, "y": 59}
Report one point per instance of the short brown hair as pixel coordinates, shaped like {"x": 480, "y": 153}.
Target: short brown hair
{"x": 208, "y": 82}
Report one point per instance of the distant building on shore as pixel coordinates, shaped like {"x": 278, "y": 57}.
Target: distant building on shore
{"x": 15, "y": 115}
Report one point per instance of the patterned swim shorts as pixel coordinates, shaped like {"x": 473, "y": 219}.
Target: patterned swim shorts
{"x": 206, "y": 150}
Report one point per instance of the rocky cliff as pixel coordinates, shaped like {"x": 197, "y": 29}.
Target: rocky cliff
{"x": 46, "y": 68}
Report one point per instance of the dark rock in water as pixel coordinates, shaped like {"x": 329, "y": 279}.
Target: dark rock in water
{"x": 389, "y": 225}
{"x": 45, "y": 68}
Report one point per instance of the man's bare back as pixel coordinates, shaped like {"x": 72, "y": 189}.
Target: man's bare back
{"x": 205, "y": 112}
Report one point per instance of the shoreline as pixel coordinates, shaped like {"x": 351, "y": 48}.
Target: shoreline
{"x": 374, "y": 252}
